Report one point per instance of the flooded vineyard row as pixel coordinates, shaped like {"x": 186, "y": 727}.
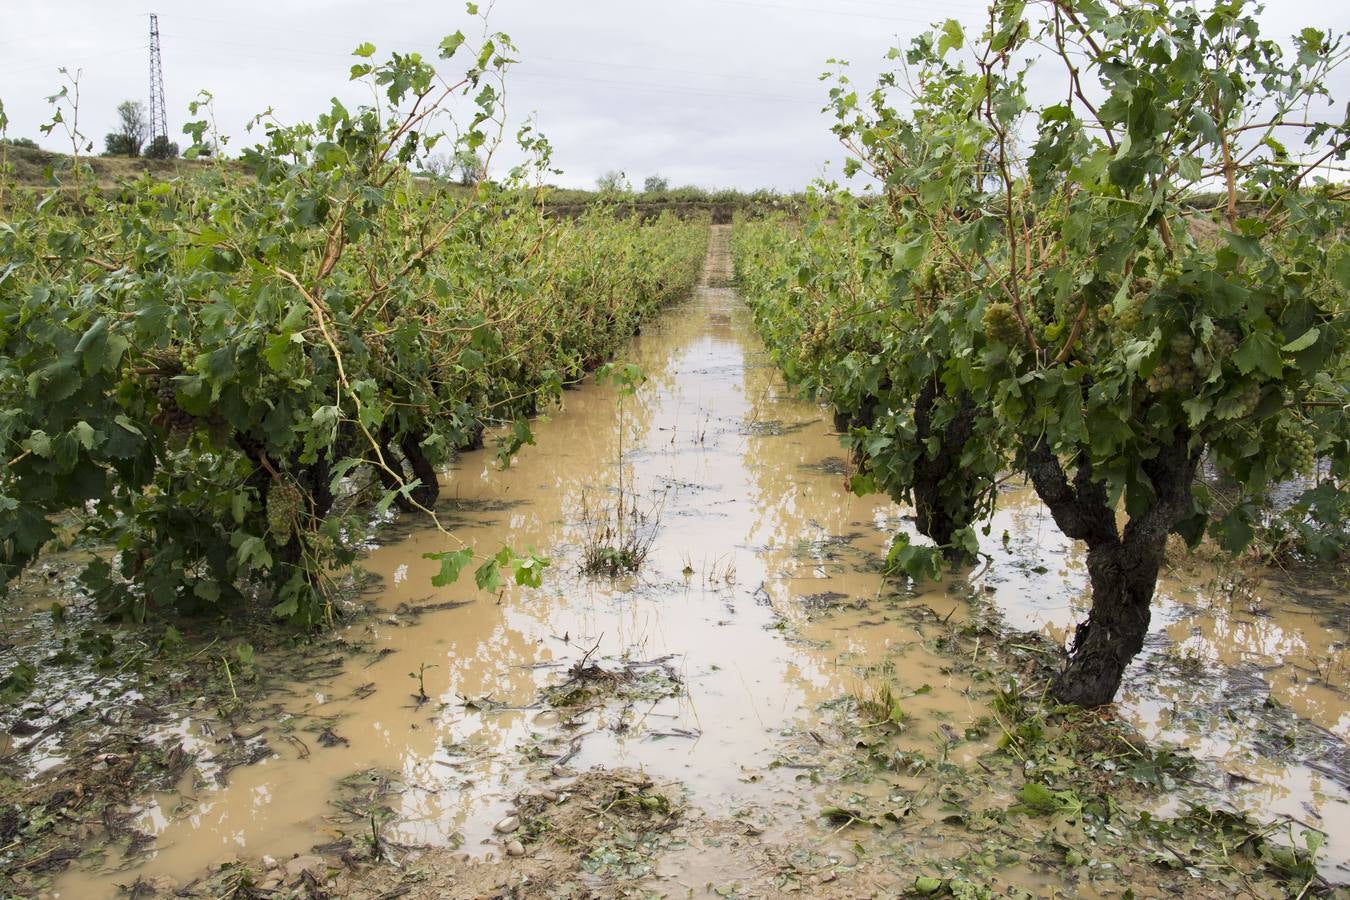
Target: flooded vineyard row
{"x": 756, "y": 619}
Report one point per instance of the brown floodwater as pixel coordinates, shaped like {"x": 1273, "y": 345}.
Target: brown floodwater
{"x": 760, "y": 595}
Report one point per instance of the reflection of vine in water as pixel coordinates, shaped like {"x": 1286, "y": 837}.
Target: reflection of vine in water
{"x": 475, "y": 732}
{"x": 796, "y": 514}
{"x": 1241, "y": 622}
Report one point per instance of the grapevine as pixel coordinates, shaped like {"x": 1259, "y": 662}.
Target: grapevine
{"x": 1068, "y": 307}
{"x": 229, "y": 377}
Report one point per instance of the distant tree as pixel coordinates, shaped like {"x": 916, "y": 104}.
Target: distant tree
{"x": 161, "y": 148}
{"x": 132, "y": 130}
{"x": 655, "y": 184}
{"x": 438, "y": 164}
{"x": 465, "y": 166}
{"x": 115, "y": 144}
{"x": 27, "y": 143}
{"x": 470, "y": 166}
{"x": 613, "y": 182}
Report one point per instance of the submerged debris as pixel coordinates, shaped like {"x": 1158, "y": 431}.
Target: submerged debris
{"x": 113, "y": 715}
{"x": 589, "y": 684}
{"x": 774, "y": 427}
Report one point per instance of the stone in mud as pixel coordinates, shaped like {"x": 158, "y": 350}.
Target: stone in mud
{"x": 547, "y": 719}
{"x": 550, "y": 796}
{"x": 315, "y": 865}
{"x": 515, "y": 848}
{"x": 507, "y": 825}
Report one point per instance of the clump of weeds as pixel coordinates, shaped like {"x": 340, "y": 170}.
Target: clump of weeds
{"x": 619, "y": 534}
{"x": 589, "y": 684}
{"x": 878, "y": 705}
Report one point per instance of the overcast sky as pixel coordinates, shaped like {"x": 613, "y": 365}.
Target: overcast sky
{"x": 718, "y": 93}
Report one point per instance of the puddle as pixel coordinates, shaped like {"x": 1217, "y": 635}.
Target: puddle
{"x": 758, "y": 603}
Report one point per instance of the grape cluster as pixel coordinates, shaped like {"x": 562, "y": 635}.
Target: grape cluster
{"x": 1036, "y": 325}
{"x": 815, "y": 340}
{"x": 1177, "y": 372}
{"x": 171, "y": 417}
{"x": 320, "y": 542}
{"x": 1182, "y": 344}
{"x": 1001, "y": 324}
{"x": 944, "y": 280}
{"x": 1223, "y": 343}
{"x": 283, "y": 507}
{"x": 1299, "y": 448}
{"x": 1129, "y": 317}
{"x": 1174, "y": 375}
{"x": 1248, "y": 400}
{"x": 1044, "y": 309}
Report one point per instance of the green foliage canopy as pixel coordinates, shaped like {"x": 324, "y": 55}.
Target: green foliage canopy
{"x": 1041, "y": 267}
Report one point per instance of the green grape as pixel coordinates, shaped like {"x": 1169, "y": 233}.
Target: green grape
{"x": 1000, "y": 323}
{"x": 1130, "y": 317}
{"x": 1251, "y": 398}
{"x": 1298, "y": 447}
{"x": 1223, "y": 343}
{"x": 283, "y": 507}
{"x": 1044, "y": 309}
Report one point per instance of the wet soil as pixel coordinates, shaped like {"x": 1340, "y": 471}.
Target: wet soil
{"x": 808, "y": 727}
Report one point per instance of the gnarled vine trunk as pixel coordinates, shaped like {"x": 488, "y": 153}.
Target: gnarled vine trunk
{"x": 939, "y": 510}
{"x": 942, "y": 503}
{"x": 1123, "y": 580}
{"x": 1122, "y": 566}
{"x": 428, "y": 489}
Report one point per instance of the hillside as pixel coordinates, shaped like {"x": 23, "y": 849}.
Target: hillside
{"x": 30, "y": 166}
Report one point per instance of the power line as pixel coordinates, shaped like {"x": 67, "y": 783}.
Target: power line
{"x": 529, "y": 61}
{"x": 524, "y": 71}
{"x": 52, "y": 65}
{"x": 912, "y": 20}
{"x": 642, "y": 86}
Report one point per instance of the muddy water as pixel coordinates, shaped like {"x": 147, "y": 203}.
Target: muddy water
{"x": 1244, "y": 667}
{"x": 758, "y": 603}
